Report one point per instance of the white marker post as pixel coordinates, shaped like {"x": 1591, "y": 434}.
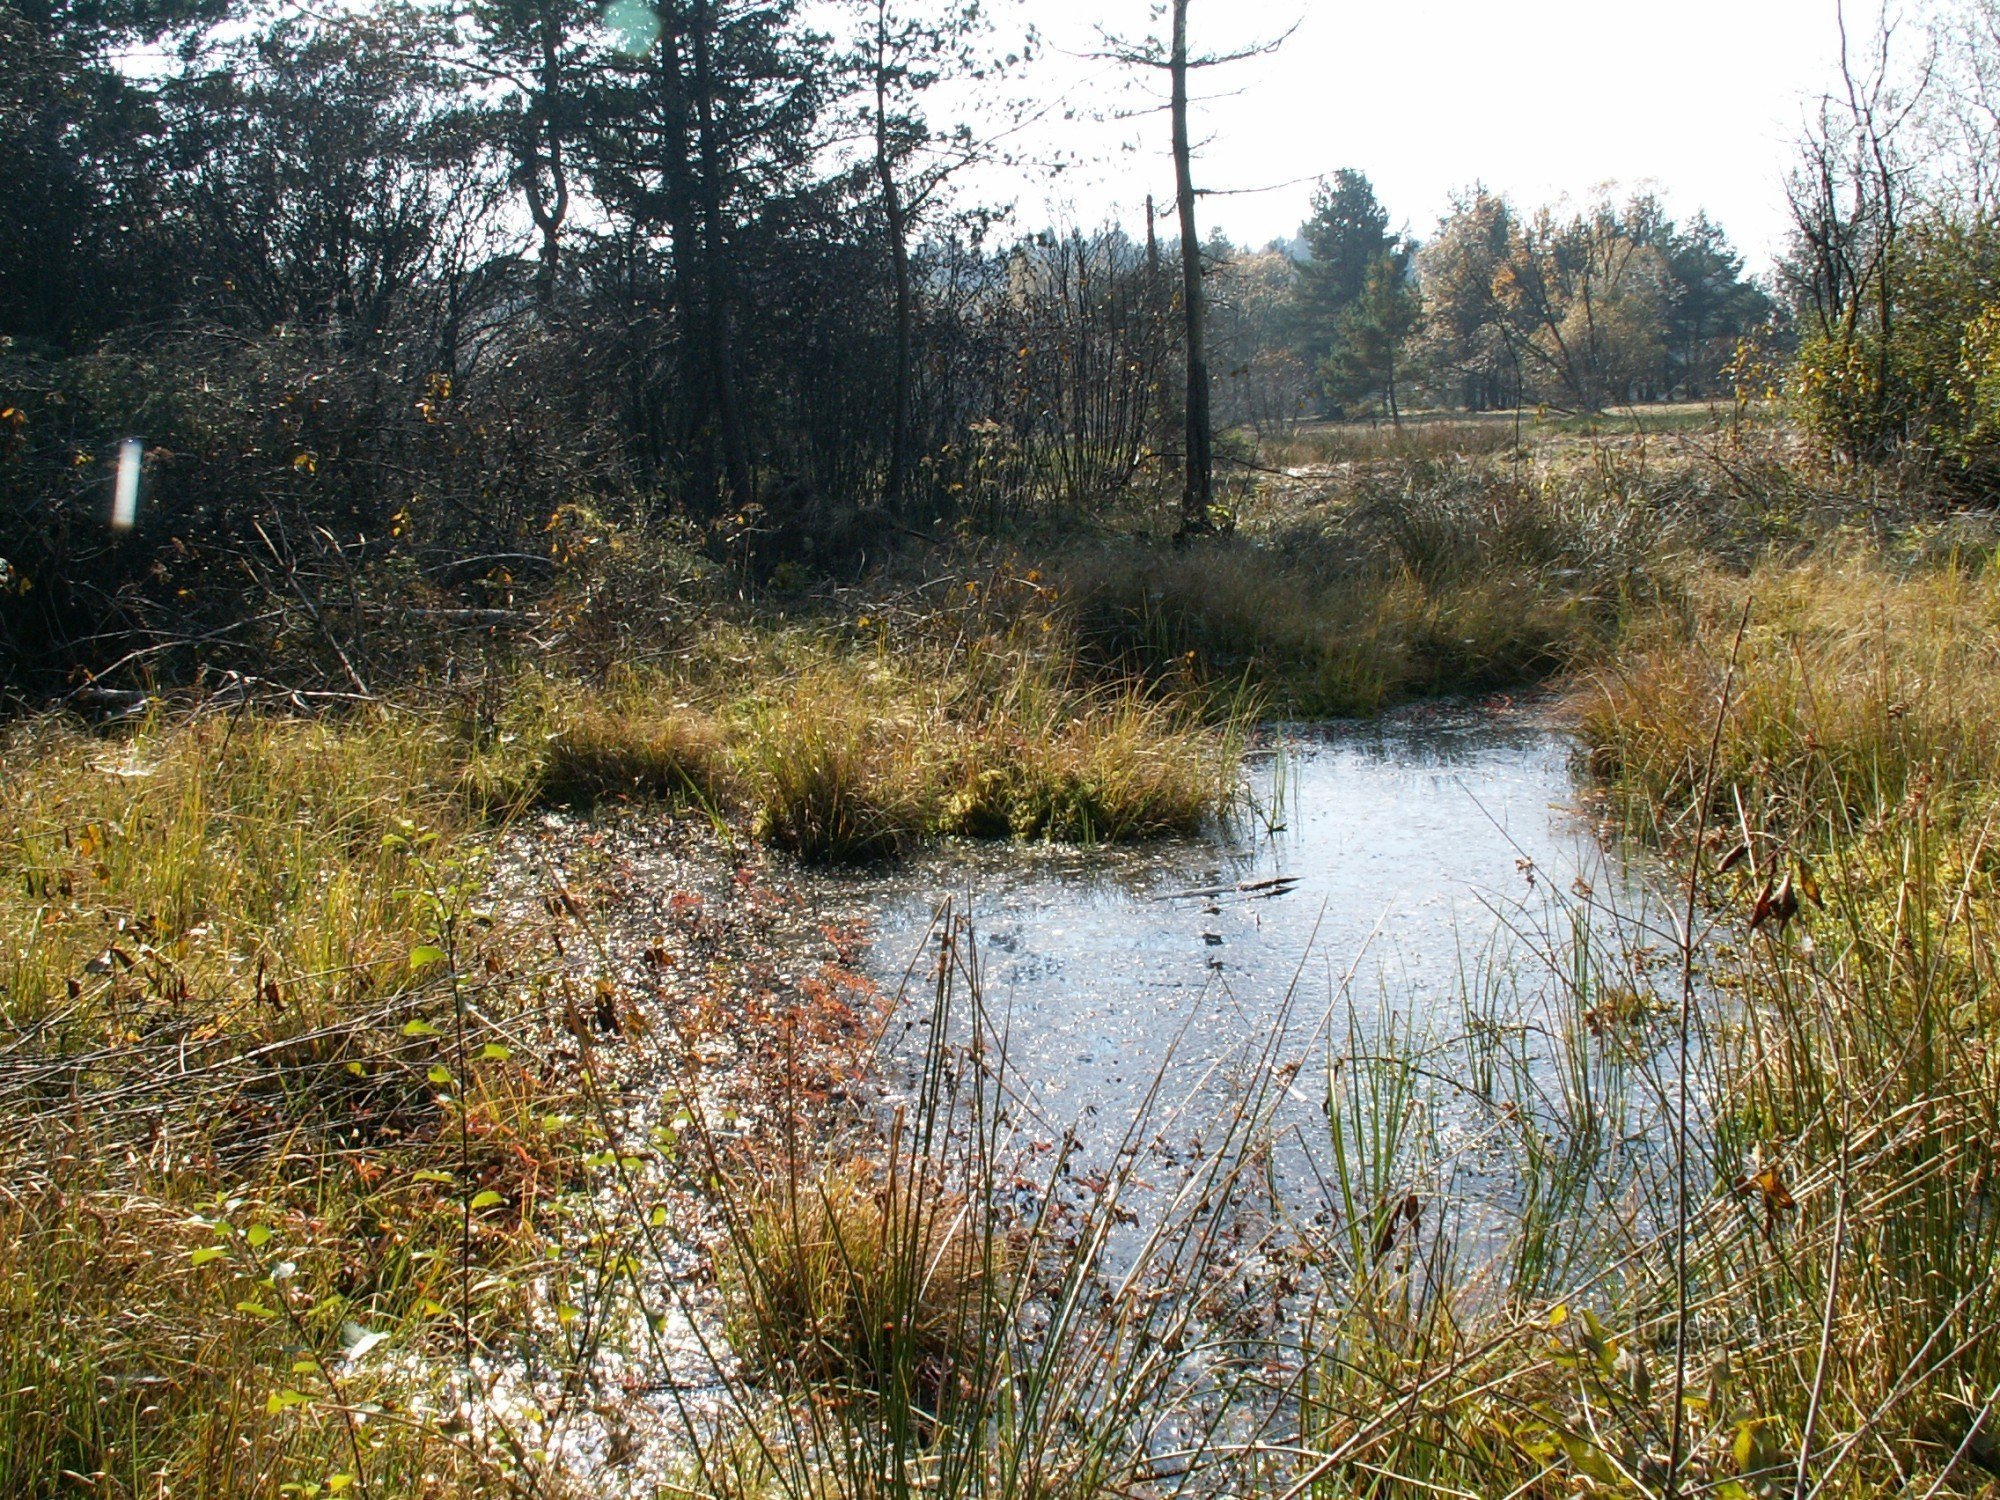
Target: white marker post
{"x": 125, "y": 498}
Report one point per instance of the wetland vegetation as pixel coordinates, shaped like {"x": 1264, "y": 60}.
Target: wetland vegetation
{"x": 446, "y": 1045}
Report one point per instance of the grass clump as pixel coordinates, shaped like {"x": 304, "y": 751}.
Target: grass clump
{"x": 859, "y": 1279}
{"x": 833, "y": 782}
{"x": 857, "y": 761}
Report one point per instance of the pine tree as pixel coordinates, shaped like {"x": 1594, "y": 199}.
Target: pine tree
{"x": 1347, "y": 235}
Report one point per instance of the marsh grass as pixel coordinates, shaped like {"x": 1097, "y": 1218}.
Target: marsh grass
{"x": 848, "y": 765}
{"x": 846, "y": 744}
{"x": 315, "y": 1178}
{"x": 1862, "y": 681}
{"x": 1440, "y": 576}
{"x": 980, "y": 1325}
{"x": 241, "y": 864}
{"x": 858, "y": 1276}
{"x": 259, "y": 1066}
{"x": 1840, "y": 1262}
{"x": 291, "y": 1118}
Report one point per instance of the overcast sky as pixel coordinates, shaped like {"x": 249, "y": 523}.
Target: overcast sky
{"x": 1700, "y": 99}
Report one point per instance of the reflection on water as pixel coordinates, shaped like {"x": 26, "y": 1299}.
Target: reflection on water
{"x": 1385, "y": 861}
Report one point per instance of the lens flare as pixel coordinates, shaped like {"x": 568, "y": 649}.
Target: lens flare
{"x": 635, "y": 24}
{"x": 125, "y": 498}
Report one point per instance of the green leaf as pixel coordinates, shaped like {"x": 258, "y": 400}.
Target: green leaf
{"x": 657, "y": 1218}
{"x": 257, "y": 1309}
{"x": 439, "y": 1074}
{"x": 432, "y": 1175}
{"x": 357, "y": 1070}
{"x": 425, "y": 956}
{"x": 259, "y": 1235}
{"x": 419, "y": 1028}
{"x": 284, "y": 1400}
{"x": 494, "y": 1052}
{"x": 208, "y": 1253}
{"x": 487, "y": 1199}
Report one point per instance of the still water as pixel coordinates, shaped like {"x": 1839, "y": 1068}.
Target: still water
{"x": 1381, "y": 866}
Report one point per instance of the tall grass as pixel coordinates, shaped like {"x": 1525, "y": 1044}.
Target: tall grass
{"x": 1442, "y": 576}
{"x": 260, "y": 1118}
{"x": 317, "y": 1176}
{"x": 845, "y": 764}
{"x": 971, "y": 1321}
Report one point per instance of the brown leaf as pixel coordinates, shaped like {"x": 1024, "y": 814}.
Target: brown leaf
{"x": 1762, "y": 909}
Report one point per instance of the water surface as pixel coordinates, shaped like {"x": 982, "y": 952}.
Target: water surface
{"x": 1414, "y": 850}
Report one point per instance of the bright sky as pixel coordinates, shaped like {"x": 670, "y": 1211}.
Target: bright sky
{"x": 1701, "y": 100}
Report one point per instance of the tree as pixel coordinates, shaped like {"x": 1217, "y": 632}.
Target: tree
{"x": 1347, "y": 237}
{"x": 902, "y": 57}
{"x": 1464, "y": 347}
{"x": 710, "y": 123}
{"x": 1260, "y": 378}
{"x": 1368, "y": 347}
{"x": 332, "y": 175}
{"x": 1198, "y": 452}
{"x": 86, "y": 237}
{"x": 1713, "y": 304}
{"x": 1612, "y": 303}
{"x": 539, "y": 49}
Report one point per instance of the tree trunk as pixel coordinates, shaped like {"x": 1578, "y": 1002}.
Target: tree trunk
{"x": 692, "y": 295}
{"x": 721, "y": 350}
{"x": 546, "y": 132}
{"x": 899, "y": 258}
{"x": 1198, "y": 482}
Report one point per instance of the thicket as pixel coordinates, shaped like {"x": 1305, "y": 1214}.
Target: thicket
{"x": 1895, "y": 266}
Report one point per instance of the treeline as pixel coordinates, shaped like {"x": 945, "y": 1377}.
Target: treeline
{"x": 1894, "y": 273}
{"x": 1578, "y": 309}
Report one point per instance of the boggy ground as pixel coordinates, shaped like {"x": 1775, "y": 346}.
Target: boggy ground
{"x": 380, "y": 1123}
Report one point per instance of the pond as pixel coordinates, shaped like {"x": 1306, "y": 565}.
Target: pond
{"x": 1384, "y": 870}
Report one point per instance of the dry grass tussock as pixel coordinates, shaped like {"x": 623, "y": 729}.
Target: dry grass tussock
{"x": 852, "y": 739}
{"x": 859, "y": 1277}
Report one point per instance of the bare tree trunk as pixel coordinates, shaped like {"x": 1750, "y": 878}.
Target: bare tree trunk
{"x": 1198, "y": 482}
